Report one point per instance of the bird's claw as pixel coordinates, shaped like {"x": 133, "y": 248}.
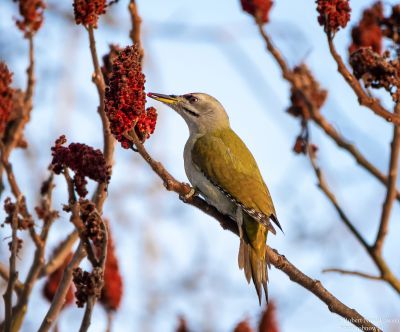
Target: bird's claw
{"x": 189, "y": 195}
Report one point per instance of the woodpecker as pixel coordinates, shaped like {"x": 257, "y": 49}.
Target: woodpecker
{"x": 221, "y": 168}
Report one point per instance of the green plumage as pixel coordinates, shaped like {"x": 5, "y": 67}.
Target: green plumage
{"x": 226, "y": 161}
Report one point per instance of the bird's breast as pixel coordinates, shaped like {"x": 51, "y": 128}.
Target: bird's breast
{"x": 211, "y": 193}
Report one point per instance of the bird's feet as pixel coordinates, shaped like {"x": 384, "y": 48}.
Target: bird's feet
{"x": 189, "y": 195}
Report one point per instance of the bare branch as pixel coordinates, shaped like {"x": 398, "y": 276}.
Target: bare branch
{"x": 30, "y": 74}
{"x": 363, "y": 98}
{"x": 15, "y": 134}
{"x": 59, "y": 297}
{"x": 136, "y": 27}
{"x": 279, "y": 261}
{"x": 34, "y": 273}
{"x": 87, "y": 317}
{"x": 101, "y": 191}
{"x": 108, "y": 149}
{"x": 100, "y": 264}
{"x": 354, "y": 273}
{"x": 17, "y": 193}
{"x": 386, "y": 273}
{"x": 316, "y": 287}
{"x": 60, "y": 254}
{"x": 322, "y": 184}
{"x": 4, "y": 273}
{"x": 13, "y": 273}
{"x": 320, "y": 120}
{"x": 391, "y": 188}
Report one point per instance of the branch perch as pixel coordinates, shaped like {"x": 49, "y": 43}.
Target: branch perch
{"x": 279, "y": 261}
{"x": 391, "y": 188}
{"x": 353, "y": 273}
{"x": 13, "y": 273}
{"x": 365, "y": 100}
{"x": 386, "y": 273}
{"x": 320, "y": 120}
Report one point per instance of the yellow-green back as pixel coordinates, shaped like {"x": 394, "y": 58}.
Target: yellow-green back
{"x": 226, "y": 161}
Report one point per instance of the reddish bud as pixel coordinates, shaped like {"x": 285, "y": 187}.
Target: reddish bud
{"x": 126, "y": 97}
{"x": 84, "y": 160}
{"x": 112, "y": 291}
{"x": 108, "y": 61}
{"x": 87, "y": 284}
{"x": 368, "y": 32}
{"x": 243, "y": 326}
{"x": 300, "y": 146}
{"x": 268, "y": 321}
{"x": 377, "y": 71}
{"x": 391, "y": 25}
{"x": 306, "y": 93}
{"x": 182, "y": 325}
{"x": 258, "y": 8}
{"x": 333, "y": 14}
{"x": 32, "y": 15}
{"x": 19, "y": 211}
{"x": 6, "y": 96}
{"x": 87, "y": 12}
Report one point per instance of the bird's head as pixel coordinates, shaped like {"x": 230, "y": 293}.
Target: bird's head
{"x": 202, "y": 112}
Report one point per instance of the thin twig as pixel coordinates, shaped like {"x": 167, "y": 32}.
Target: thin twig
{"x": 134, "y": 34}
{"x": 13, "y": 273}
{"x": 30, "y": 73}
{"x": 353, "y": 273}
{"x": 15, "y": 134}
{"x": 60, "y": 254}
{"x": 108, "y": 139}
{"x": 320, "y": 120}
{"x": 5, "y": 274}
{"x": 101, "y": 191}
{"x": 279, "y": 261}
{"x": 87, "y": 317}
{"x": 96, "y": 263}
{"x": 34, "y": 273}
{"x": 110, "y": 317}
{"x": 76, "y": 220}
{"x": 59, "y": 297}
{"x": 322, "y": 184}
{"x": 18, "y": 193}
{"x": 386, "y": 273}
{"x": 316, "y": 287}
{"x": 363, "y": 98}
{"x": 391, "y": 188}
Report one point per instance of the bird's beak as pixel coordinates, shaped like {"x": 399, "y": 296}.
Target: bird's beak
{"x": 166, "y": 99}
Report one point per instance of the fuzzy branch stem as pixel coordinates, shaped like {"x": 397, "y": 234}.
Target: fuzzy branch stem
{"x": 386, "y": 273}
{"x": 59, "y": 297}
{"x": 108, "y": 140}
{"x": 136, "y": 27}
{"x": 13, "y": 273}
{"x": 317, "y": 117}
{"x": 320, "y": 120}
{"x": 5, "y": 274}
{"x": 353, "y": 273}
{"x": 372, "y": 103}
{"x": 391, "y": 188}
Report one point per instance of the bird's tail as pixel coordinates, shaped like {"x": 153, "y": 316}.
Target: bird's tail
{"x": 252, "y": 256}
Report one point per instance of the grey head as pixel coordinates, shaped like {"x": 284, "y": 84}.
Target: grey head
{"x": 202, "y": 112}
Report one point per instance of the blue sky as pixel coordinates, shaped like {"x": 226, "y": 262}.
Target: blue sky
{"x": 174, "y": 259}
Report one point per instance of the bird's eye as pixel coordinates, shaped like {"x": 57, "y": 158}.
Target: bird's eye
{"x": 190, "y": 98}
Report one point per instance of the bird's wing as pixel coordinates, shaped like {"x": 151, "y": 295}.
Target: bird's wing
{"x": 226, "y": 161}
